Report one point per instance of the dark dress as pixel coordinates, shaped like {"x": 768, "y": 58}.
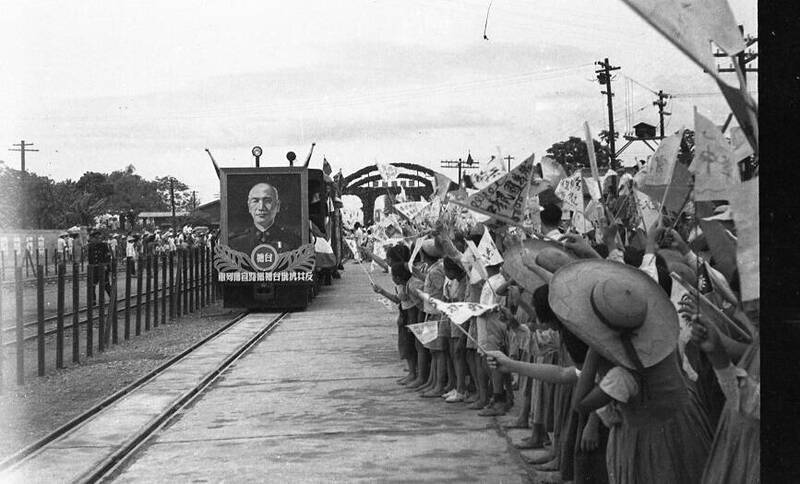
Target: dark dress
{"x": 664, "y": 436}
{"x": 735, "y": 456}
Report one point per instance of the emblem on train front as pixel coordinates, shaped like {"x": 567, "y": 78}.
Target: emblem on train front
{"x": 264, "y": 257}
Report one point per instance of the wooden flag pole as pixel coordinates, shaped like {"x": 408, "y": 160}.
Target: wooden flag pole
{"x": 481, "y": 348}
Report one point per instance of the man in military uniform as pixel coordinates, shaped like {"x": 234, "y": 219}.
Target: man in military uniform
{"x": 263, "y": 204}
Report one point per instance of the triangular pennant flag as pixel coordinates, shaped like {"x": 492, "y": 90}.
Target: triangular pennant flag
{"x": 723, "y": 247}
{"x": 745, "y": 110}
{"x": 443, "y": 184}
{"x": 410, "y": 209}
{"x": 425, "y": 332}
{"x": 505, "y": 198}
{"x": 744, "y": 205}
{"x": 570, "y": 191}
{"x": 579, "y": 221}
{"x": 429, "y": 214}
{"x": 552, "y": 171}
{"x": 661, "y": 166}
{"x": 648, "y": 209}
{"x": 478, "y": 269}
{"x": 487, "y": 250}
{"x": 690, "y": 25}
{"x": 741, "y": 147}
{"x": 387, "y": 171}
{"x": 490, "y": 172}
{"x": 592, "y": 188}
{"x": 715, "y": 171}
{"x": 592, "y": 155}
{"x": 326, "y": 167}
{"x": 417, "y": 248}
{"x": 460, "y": 312}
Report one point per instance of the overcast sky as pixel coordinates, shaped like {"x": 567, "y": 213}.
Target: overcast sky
{"x": 98, "y": 85}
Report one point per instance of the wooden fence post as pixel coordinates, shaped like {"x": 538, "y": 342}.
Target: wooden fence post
{"x": 139, "y": 270}
{"x": 40, "y": 319}
{"x": 171, "y": 285}
{"x": 60, "y": 271}
{"x": 148, "y": 287}
{"x": 185, "y": 280}
{"x": 101, "y": 306}
{"x": 155, "y": 290}
{"x": 113, "y": 306}
{"x": 89, "y": 306}
{"x": 20, "y": 349}
{"x": 191, "y": 279}
{"x": 76, "y": 300}
{"x": 127, "y": 329}
{"x": 164, "y": 288}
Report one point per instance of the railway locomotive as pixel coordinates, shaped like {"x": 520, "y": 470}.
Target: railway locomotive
{"x": 278, "y": 228}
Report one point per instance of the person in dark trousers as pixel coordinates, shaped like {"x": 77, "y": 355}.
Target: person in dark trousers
{"x": 99, "y": 253}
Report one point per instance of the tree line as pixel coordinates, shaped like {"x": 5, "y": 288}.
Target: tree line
{"x": 31, "y": 201}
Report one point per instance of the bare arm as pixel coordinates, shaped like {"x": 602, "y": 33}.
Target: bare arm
{"x": 540, "y": 371}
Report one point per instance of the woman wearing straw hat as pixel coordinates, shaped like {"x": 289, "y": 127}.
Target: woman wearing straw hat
{"x": 629, "y": 323}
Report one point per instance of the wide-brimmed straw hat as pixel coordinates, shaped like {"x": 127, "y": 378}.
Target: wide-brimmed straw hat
{"x": 617, "y": 310}
{"x": 429, "y": 247}
{"x": 544, "y": 254}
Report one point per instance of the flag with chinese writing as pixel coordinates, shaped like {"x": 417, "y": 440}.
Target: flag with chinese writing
{"x": 388, "y": 172}
{"x": 429, "y": 214}
{"x": 691, "y": 24}
{"x": 487, "y": 251}
{"x": 659, "y": 169}
{"x": 457, "y": 312}
{"x": 744, "y": 205}
{"x": 425, "y": 332}
{"x": 491, "y": 171}
{"x": 647, "y": 208}
{"x": 715, "y": 170}
{"x": 505, "y": 198}
{"x": 570, "y": 191}
{"x": 410, "y": 209}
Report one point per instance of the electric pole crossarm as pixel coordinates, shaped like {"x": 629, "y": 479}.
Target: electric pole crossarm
{"x": 23, "y": 148}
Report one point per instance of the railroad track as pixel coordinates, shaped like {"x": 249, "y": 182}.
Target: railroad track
{"x": 45, "y": 460}
{"x": 52, "y": 320}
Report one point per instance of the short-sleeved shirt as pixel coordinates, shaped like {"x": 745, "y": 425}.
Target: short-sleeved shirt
{"x": 415, "y": 283}
{"x": 434, "y": 285}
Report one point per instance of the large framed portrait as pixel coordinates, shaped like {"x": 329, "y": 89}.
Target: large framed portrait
{"x": 264, "y": 234}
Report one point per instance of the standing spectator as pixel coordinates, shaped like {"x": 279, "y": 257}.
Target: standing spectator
{"x": 61, "y": 247}
{"x": 99, "y": 255}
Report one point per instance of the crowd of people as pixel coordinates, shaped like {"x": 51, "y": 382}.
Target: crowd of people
{"x": 626, "y": 352}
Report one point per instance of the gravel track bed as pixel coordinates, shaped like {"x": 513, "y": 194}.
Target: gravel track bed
{"x": 30, "y": 412}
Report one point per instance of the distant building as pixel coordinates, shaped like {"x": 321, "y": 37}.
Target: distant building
{"x": 157, "y": 219}
{"x": 644, "y": 131}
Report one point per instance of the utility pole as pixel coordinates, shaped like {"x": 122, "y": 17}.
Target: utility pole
{"x": 661, "y": 103}
{"x": 458, "y": 164}
{"x": 508, "y": 158}
{"x": 23, "y": 148}
{"x": 744, "y": 57}
{"x": 172, "y": 200}
{"x": 604, "y": 76}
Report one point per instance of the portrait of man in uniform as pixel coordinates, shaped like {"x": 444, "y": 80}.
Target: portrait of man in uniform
{"x": 264, "y": 204}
